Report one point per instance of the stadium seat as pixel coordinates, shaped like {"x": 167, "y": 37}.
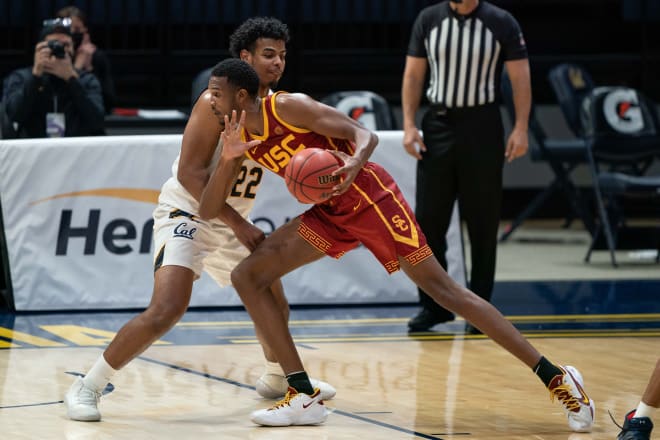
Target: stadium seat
{"x": 368, "y": 108}
{"x": 622, "y": 132}
{"x": 199, "y": 84}
{"x": 562, "y": 155}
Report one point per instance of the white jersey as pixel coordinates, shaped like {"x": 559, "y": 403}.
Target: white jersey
{"x": 241, "y": 197}
{"x": 183, "y": 239}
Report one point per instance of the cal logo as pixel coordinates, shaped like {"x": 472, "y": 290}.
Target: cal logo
{"x": 183, "y": 231}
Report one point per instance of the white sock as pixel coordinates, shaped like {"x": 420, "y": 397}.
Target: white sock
{"x": 644, "y": 410}
{"x": 273, "y": 368}
{"x": 99, "y": 375}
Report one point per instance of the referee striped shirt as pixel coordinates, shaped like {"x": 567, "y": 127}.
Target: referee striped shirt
{"x": 466, "y": 52}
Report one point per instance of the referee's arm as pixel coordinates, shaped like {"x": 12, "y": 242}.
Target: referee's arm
{"x": 518, "y": 142}
{"x": 411, "y": 95}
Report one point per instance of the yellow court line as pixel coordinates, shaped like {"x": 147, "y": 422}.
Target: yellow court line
{"x": 639, "y": 317}
{"x": 590, "y": 334}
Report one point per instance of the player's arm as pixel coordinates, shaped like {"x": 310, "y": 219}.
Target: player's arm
{"x": 302, "y": 111}
{"x": 200, "y": 139}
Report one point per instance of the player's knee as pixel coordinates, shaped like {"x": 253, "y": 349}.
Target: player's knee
{"x": 245, "y": 278}
{"x": 162, "y": 318}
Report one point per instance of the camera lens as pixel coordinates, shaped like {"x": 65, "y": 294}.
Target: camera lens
{"x": 56, "y": 48}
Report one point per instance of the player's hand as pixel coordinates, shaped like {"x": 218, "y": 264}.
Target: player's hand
{"x": 249, "y": 235}
{"x": 413, "y": 142}
{"x": 517, "y": 144}
{"x": 349, "y": 170}
{"x": 232, "y": 144}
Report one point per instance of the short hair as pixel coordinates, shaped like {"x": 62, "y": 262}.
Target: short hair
{"x": 247, "y": 34}
{"x": 239, "y": 73}
{"x": 72, "y": 11}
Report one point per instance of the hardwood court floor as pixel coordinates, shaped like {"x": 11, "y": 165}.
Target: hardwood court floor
{"x": 198, "y": 381}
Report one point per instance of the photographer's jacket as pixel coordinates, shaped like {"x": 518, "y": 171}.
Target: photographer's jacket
{"x": 28, "y": 99}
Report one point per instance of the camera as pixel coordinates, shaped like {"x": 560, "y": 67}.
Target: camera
{"x": 56, "y": 48}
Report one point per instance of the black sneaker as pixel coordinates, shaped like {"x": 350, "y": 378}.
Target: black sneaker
{"x": 635, "y": 428}
{"x": 426, "y": 319}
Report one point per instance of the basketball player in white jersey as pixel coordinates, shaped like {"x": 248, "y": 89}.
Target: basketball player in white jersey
{"x": 185, "y": 245}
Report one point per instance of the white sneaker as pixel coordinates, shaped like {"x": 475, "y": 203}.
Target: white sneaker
{"x": 274, "y": 386}
{"x": 82, "y": 402}
{"x": 579, "y": 408}
{"x": 295, "y": 409}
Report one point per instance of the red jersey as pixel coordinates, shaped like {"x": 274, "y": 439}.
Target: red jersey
{"x": 282, "y": 140}
{"x": 372, "y": 211}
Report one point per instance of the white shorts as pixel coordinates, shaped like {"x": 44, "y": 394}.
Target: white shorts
{"x": 181, "y": 239}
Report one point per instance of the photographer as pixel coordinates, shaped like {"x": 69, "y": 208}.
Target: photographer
{"x": 52, "y": 98}
{"x": 87, "y": 56}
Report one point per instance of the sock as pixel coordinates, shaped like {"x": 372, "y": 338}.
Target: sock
{"x": 273, "y": 368}
{"x": 546, "y": 371}
{"x": 300, "y": 381}
{"x": 644, "y": 410}
{"x": 99, "y": 375}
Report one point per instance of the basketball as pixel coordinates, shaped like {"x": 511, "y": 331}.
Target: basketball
{"x": 308, "y": 175}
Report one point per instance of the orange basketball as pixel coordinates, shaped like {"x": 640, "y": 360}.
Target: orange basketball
{"x": 309, "y": 175}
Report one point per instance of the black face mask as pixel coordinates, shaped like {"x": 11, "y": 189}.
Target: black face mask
{"x": 77, "y": 38}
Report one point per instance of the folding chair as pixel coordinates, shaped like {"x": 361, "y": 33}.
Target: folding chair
{"x": 562, "y": 155}
{"x": 622, "y": 130}
{"x": 366, "y": 107}
{"x": 571, "y": 83}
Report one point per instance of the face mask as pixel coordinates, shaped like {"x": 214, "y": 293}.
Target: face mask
{"x": 77, "y": 38}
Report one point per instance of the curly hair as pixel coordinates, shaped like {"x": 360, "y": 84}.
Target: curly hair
{"x": 238, "y": 73}
{"x": 247, "y": 34}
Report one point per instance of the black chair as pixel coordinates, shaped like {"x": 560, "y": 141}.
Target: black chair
{"x": 199, "y": 84}
{"x": 366, "y": 107}
{"x": 562, "y": 155}
{"x": 622, "y": 131}
{"x": 571, "y": 83}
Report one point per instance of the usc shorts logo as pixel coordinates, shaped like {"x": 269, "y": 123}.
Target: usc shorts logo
{"x": 400, "y": 223}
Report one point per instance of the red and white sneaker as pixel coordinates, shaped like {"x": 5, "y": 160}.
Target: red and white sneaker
{"x": 568, "y": 389}
{"x": 295, "y": 409}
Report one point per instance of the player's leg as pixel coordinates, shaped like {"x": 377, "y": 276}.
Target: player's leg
{"x": 273, "y": 384}
{"x": 170, "y": 298}
{"x": 565, "y": 383}
{"x": 281, "y": 252}
{"x": 638, "y": 423}
{"x": 176, "y": 263}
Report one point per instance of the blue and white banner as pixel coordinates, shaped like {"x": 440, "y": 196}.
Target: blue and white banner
{"x": 78, "y": 227}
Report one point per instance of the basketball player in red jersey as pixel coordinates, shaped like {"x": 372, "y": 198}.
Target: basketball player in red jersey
{"x": 367, "y": 208}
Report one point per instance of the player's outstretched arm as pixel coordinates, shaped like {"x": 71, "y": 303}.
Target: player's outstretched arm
{"x": 214, "y": 195}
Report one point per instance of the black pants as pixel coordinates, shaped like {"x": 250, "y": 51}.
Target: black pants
{"x": 464, "y": 160}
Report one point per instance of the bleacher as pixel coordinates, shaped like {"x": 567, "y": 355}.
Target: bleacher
{"x": 157, "y": 47}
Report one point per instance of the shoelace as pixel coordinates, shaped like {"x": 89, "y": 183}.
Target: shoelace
{"x": 614, "y": 421}
{"x": 284, "y": 402}
{"x": 88, "y": 396}
{"x": 563, "y": 394}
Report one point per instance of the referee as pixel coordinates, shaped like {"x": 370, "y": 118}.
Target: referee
{"x": 463, "y": 44}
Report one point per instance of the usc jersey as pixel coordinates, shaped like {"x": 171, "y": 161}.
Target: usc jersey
{"x": 281, "y": 140}
{"x": 373, "y": 211}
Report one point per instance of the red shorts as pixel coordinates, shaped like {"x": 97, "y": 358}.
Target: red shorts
{"x": 372, "y": 212}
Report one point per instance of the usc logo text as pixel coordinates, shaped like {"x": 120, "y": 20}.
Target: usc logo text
{"x": 400, "y": 223}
